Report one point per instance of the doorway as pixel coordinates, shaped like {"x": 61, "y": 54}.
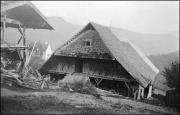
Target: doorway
{"x": 79, "y": 65}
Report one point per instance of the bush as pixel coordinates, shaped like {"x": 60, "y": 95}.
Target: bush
{"x": 79, "y": 83}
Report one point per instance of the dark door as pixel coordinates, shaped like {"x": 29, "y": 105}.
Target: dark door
{"x": 79, "y": 65}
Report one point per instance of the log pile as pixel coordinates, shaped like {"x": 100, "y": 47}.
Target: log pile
{"x": 28, "y": 80}
{"x": 9, "y": 76}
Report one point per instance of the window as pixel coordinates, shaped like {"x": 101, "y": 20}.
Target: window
{"x": 87, "y": 43}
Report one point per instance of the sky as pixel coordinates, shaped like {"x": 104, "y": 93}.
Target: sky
{"x": 139, "y": 16}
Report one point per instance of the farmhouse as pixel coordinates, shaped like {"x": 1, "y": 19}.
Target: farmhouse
{"x": 110, "y": 63}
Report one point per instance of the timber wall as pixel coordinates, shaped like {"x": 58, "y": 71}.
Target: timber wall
{"x": 108, "y": 68}
{"x": 59, "y": 65}
{"x": 97, "y": 67}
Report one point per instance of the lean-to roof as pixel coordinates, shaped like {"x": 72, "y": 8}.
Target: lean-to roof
{"x": 24, "y": 12}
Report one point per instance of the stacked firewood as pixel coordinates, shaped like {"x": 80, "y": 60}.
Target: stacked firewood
{"x": 32, "y": 79}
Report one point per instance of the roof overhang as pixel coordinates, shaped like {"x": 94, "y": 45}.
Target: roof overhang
{"x": 26, "y": 13}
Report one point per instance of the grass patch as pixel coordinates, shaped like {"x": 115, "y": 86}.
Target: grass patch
{"x": 42, "y": 104}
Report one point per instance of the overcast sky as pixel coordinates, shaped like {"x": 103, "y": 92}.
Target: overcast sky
{"x": 139, "y": 16}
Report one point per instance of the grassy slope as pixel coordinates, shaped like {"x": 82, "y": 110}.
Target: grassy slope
{"x": 61, "y": 102}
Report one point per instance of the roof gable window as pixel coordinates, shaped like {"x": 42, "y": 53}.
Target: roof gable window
{"x": 87, "y": 43}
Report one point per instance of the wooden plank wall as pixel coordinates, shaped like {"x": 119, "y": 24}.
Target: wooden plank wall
{"x": 63, "y": 64}
{"x": 107, "y": 68}
{"x": 104, "y": 68}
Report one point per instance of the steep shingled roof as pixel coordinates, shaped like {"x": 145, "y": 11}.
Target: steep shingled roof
{"x": 26, "y": 13}
{"x": 131, "y": 58}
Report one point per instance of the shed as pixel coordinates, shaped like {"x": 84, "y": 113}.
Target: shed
{"x": 21, "y": 15}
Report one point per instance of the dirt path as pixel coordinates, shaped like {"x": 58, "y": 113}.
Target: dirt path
{"x": 72, "y": 102}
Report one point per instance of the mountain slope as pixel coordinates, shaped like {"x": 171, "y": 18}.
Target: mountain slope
{"x": 162, "y": 61}
{"x": 148, "y": 43}
{"x": 63, "y": 31}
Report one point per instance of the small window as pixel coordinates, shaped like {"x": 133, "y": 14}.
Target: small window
{"x": 87, "y": 43}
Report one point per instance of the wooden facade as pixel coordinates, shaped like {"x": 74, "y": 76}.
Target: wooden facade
{"x": 97, "y": 67}
{"x": 99, "y": 71}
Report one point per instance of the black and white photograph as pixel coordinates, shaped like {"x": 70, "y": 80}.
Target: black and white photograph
{"x": 90, "y": 57}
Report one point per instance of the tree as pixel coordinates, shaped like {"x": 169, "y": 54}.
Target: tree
{"x": 172, "y": 75}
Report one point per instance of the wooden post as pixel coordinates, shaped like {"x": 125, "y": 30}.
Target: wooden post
{"x": 128, "y": 88}
{"x": 42, "y": 84}
{"x": 135, "y": 94}
{"x": 45, "y": 81}
{"x": 21, "y": 52}
{"x": 142, "y": 92}
{"x": 139, "y": 92}
{"x": 150, "y": 91}
{"x": 39, "y": 75}
{"x": 29, "y": 57}
{"x": 98, "y": 81}
{"x": 22, "y": 34}
{"x": 4, "y": 27}
{"x": 1, "y": 32}
{"x": 24, "y": 44}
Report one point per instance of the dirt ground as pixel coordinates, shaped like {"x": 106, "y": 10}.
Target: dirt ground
{"x": 19, "y": 100}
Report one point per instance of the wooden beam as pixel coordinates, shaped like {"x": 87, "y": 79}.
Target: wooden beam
{"x": 24, "y": 44}
{"x": 4, "y": 27}
{"x": 63, "y": 64}
{"x": 19, "y": 40}
{"x": 20, "y": 31}
{"x": 128, "y": 88}
{"x": 52, "y": 71}
{"x": 110, "y": 78}
{"x": 19, "y": 67}
{"x": 45, "y": 81}
{"x": 39, "y": 75}
{"x": 95, "y": 76}
{"x": 14, "y": 47}
{"x": 98, "y": 81}
{"x": 29, "y": 57}
{"x": 11, "y": 21}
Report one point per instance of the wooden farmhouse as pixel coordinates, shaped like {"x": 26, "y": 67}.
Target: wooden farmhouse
{"x": 20, "y": 15}
{"x": 110, "y": 63}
